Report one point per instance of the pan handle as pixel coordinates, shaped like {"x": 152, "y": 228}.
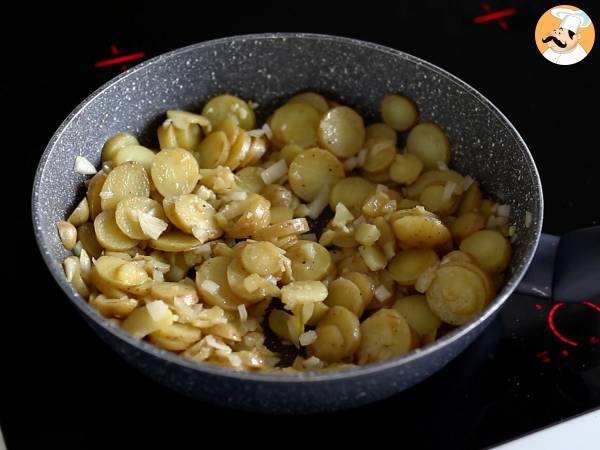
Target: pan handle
{"x": 565, "y": 268}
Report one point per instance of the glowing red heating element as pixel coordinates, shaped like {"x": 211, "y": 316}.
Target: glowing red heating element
{"x": 114, "y": 50}
{"x": 496, "y": 15}
{"x": 552, "y": 325}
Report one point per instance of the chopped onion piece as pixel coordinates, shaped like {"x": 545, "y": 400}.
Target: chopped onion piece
{"x": 152, "y": 226}
{"x": 442, "y": 165}
{"x": 83, "y": 166}
{"x": 382, "y": 294}
{"x": 268, "y": 132}
{"x": 449, "y": 188}
{"x": 242, "y": 312}
{"x": 316, "y": 207}
{"x": 307, "y": 338}
{"x": 210, "y": 286}
{"x": 361, "y": 157}
{"x": 467, "y": 182}
{"x": 503, "y": 210}
{"x": 350, "y": 164}
{"x": 77, "y": 249}
{"x": 158, "y": 310}
{"x": 274, "y": 172}
{"x": 256, "y": 133}
{"x": 528, "y": 219}
{"x": 84, "y": 261}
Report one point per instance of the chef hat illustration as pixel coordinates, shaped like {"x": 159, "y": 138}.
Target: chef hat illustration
{"x": 571, "y": 19}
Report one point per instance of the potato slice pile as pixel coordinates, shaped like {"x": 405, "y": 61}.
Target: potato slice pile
{"x": 203, "y": 244}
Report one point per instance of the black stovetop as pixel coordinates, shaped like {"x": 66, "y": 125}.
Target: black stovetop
{"x": 66, "y": 389}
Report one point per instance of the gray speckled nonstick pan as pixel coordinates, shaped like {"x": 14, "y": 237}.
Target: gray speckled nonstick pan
{"x": 266, "y": 69}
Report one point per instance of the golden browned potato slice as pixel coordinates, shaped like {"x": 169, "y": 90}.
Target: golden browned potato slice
{"x": 408, "y": 264}
{"x": 124, "y": 181}
{"x": 382, "y": 131}
{"x": 242, "y": 218}
{"x": 119, "y": 273}
{"x": 128, "y": 213}
{"x": 174, "y": 172}
{"x": 277, "y": 195}
{"x": 115, "y": 143}
{"x": 213, "y": 151}
{"x": 343, "y": 292}
{"x": 296, "y": 123}
{"x": 239, "y": 151}
{"x": 420, "y": 229}
{"x": 313, "y": 99}
{"x": 313, "y": 171}
{"x": 93, "y": 193}
{"x": 193, "y": 215}
{"x": 262, "y": 258}
{"x": 113, "y": 307}
{"x": 466, "y": 224}
{"x": 87, "y": 237}
{"x": 282, "y": 229}
{"x": 288, "y": 327}
{"x": 249, "y": 179}
{"x": 338, "y": 335}
{"x": 174, "y": 241}
{"x": 471, "y": 199}
{"x": 211, "y": 280}
{"x": 418, "y": 315}
{"x": 289, "y": 152}
{"x": 342, "y": 132}
{"x": 433, "y": 177}
{"x": 310, "y": 261}
{"x": 250, "y": 287}
{"x": 429, "y": 142}
{"x": 406, "y": 168}
{"x": 352, "y": 192}
{"x": 399, "y": 112}
{"x": 218, "y": 108}
{"x": 489, "y": 248}
{"x": 146, "y": 319}
{"x": 136, "y": 153}
{"x": 168, "y": 291}
{"x": 109, "y": 234}
{"x": 176, "y": 337}
{"x": 385, "y": 334}
{"x": 441, "y": 200}
{"x": 380, "y": 155}
{"x": 456, "y": 294}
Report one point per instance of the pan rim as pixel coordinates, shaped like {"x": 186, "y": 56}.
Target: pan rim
{"x": 310, "y": 377}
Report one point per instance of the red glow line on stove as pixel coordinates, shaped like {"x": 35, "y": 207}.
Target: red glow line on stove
{"x": 119, "y": 60}
{"x": 495, "y": 15}
{"x": 553, "y": 326}
{"x": 592, "y": 305}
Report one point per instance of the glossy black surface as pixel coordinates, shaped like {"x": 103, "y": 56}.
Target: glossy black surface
{"x": 69, "y": 390}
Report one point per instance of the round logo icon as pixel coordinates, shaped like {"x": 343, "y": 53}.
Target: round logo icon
{"x": 564, "y": 35}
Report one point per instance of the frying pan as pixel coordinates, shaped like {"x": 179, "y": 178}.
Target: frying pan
{"x": 267, "y": 68}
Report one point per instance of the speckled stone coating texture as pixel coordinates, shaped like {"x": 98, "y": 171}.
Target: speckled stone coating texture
{"x": 267, "y": 69}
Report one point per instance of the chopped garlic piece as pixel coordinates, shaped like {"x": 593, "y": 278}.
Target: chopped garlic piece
{"x": 158, "y": 310}
{"x": 342, "y": 216}
{"x": 320, "y": 202}
{"x": 83, "y": 166}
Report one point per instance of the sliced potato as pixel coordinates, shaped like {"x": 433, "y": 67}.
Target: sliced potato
{"x": 433, "y": 177}
{"x": 342, "y": 132}
{"x": 176, "y": 337}
{"x": 124, "y": 181}
{"x": 115, "y": 143}
{"x": 128, "y": 211}
{"x": 313, "y": 99}
{"x": 174, "y": 172}
{"x": 408, "y": 264}
{"x": 384, "y": 335}
{"x": 296, "y": 123}
{"x": 471, "y": 199}
{"x": 380, "y": 155}
{"x": 419, "y": 229}
{"x": 406, "y": 168}
{"x": 211, "y": 280}
{"x": 249, "y": 179}
{"x": 262, "y": 258}
{"x": 466, "y": 224}
{"x": 429, "y": 142}
{"x": 239, "y": 151}
{"x": 136, "y": 153}
{"x": 418, "y": 314}
{"x": 312, "y": 171}
{"x": 87, "y": 236}
{"x": 338, "y": 335}
{"x": 456, "y": 294}
{"x": 343, "y": 292}
{"x": 352, "y": 192}
{"x": 109, "y": 235}
{"x": 213, "y": 151}
{"x": 310, "y": 261}
{"x": 381, "y": 131}
{"x": 399, "y": 112}
{"x": 93, "y": 193}
{"x": 218, "y": 108}
{"x": 489, "y": 248}
{"x": 174, "y": 241}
